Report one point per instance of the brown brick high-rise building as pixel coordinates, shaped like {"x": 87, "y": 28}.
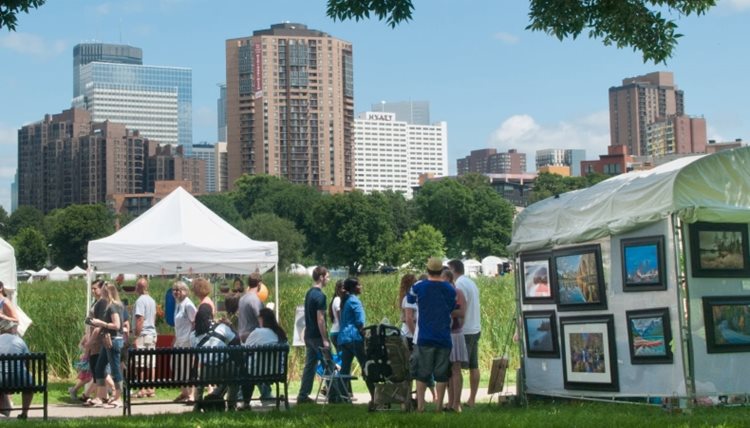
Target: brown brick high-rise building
{"x": 66, "y": 159}
{"x": 290, "y": 107}
{"x": 642, "y": 100}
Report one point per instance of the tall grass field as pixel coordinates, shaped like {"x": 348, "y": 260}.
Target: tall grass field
{"x": 58, "y": 310}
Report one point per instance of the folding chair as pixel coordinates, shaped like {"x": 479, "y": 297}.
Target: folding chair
{"x": 333, "y": 379}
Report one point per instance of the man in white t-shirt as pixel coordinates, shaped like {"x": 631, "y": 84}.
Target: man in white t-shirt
{"x": 472, "y": 325}
{"x": 145, "y": 327}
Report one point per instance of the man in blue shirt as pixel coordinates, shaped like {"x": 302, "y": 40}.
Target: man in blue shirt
{"x": 316, "y": 332}
{"x": 436, "y": 300}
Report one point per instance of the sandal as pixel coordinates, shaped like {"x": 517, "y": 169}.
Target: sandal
{"x": 112, "y": 405}
{"x": 93, "y": 402}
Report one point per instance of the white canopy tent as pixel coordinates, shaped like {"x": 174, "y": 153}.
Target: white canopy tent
{"x": 181, "y": 235}
{"x": 58, "y": 274}
{"x": 8, "y": 268}
{"x": 687, "y": 187}
{"x": 76, "y": 272}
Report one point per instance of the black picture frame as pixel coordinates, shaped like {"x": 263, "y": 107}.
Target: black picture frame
{"x": 533, "y": 289}
{"x": 725, "y": 332}
{"x": 589, "y": 353}
{"x": 540, "y": 333}
{"x": 649, "y": 336}
{"x": 719, "y": 250}
{"x": 578, "y": 279}
{"x": 643, "y": 264}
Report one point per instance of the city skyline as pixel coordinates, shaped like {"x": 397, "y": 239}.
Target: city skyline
{"x": 494, "y": 83}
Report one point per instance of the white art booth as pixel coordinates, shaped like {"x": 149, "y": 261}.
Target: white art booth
{"x": 639, "y": 286}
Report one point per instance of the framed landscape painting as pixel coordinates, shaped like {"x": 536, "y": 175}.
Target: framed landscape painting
{"x": 536, "y": 278}
{"x": 540, "y": 328}
{"x": 589, "y": 353}
{"x": 649, "y": 336}
{"x": 643, "y": 264}
{"x": 578, "y": 279}
{"x": 719, "y": 250}
{"x": 727, "y": 321}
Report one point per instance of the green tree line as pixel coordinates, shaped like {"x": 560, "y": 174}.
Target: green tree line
{"x": 453, "y": 217}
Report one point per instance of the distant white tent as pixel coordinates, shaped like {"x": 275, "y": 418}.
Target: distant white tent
{"x": 58, "y": 274}
{"x": 472, "y": 267}
{"x": 41, "y": 274}
{"x": 297, "y": 269}
{"x": 8, "y": 267}
{"x": 77, "y": 272}
{"x": 490, "y": 265}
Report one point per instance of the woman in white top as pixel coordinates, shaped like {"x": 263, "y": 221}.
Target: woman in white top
{"x": 8, "y": 310}
{"x": 184, "y": 316}
{"x": 334, "y": 313}
{"x": 268, "y": 331}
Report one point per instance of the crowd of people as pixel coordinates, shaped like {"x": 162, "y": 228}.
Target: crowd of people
{"x": 439, "y": 314}
{"x": 440, "y": 317}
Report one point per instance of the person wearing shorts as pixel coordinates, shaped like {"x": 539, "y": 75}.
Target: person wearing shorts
{"x": 145, "y": 328}
{"x": 436, "y": 300}
{"x": 471, "y": 326}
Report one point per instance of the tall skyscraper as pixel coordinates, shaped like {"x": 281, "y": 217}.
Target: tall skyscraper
{"x": 207, "y": 152}
{"x": 489, "y": 161}
{"x": 413, "y": 112}
{"x": 390, "y": 154}
{"x": 642, "y": 100}
{"x": 221, "y": 108}
{"x": 561, "y": 157}
{"x": 85, "y": 53}
{"x": 290, "y": 106}
{"x": 156, "y": 101}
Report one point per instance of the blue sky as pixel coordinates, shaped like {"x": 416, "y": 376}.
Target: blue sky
{"x": 496, "y": 84}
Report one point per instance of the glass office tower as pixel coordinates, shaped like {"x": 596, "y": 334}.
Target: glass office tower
{"x": 157, "y": 101}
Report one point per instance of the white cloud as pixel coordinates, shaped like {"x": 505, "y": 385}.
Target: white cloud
{"x": 507, "y": 38}
{"x": 738, "y": 4}
{"x": 522, "y": 132}
{"x": 103, "y": 9}
{"x": 32, "y": 44}
{"x": 713, "y": 134}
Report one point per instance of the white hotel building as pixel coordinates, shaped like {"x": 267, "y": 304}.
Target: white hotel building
{"x": 391, "y": 155}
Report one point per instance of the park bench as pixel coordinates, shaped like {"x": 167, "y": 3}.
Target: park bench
{"x": 200, "y": 367}
{"x": 13, "y": 378}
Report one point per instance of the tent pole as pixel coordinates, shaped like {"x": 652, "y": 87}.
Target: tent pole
{"x": 88, "y": 290}
{"x": 276, "y": 289}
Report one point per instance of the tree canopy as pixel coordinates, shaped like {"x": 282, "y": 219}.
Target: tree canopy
{"x": 74, "y": 227}
{"x": 9, "y": 9}
{"x": 643, "y": 25}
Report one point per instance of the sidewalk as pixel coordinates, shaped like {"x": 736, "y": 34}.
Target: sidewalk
{"x": 69, "y": 411}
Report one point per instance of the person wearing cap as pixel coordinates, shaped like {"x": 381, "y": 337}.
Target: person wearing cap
{"x": 12, "y": 343}
{"x": 435, "y": 300}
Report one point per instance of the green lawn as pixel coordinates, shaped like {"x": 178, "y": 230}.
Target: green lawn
{"x": 538, "y": 414}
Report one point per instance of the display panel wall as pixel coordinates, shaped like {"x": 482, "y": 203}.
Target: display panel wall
{"x": 639, "y": 292}
{"x": 720, "y": 356}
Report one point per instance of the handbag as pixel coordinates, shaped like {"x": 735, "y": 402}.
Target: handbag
{"x": 107, "y": 340}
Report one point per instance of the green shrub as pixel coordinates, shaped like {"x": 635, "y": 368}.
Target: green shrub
{"x": 58, "y": 311}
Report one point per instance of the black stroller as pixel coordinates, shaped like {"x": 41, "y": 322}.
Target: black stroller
{"x": 387, "y": 366}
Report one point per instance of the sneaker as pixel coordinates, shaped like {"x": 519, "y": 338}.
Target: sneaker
{"x": 305, "y": 400}
{"x": 72, "y": 393}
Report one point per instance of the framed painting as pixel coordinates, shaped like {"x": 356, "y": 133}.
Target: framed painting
{"x": 727, "y": 321}
{"x": 649, "y": 336}
{"x": 540, "y": 328}
{"x": 719, "y": 250}
{"x": 578, "y": 281}
{"x": 589, "y": 353}
{"x": 536, "y": 278}
{"x": 643, "y": 264}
